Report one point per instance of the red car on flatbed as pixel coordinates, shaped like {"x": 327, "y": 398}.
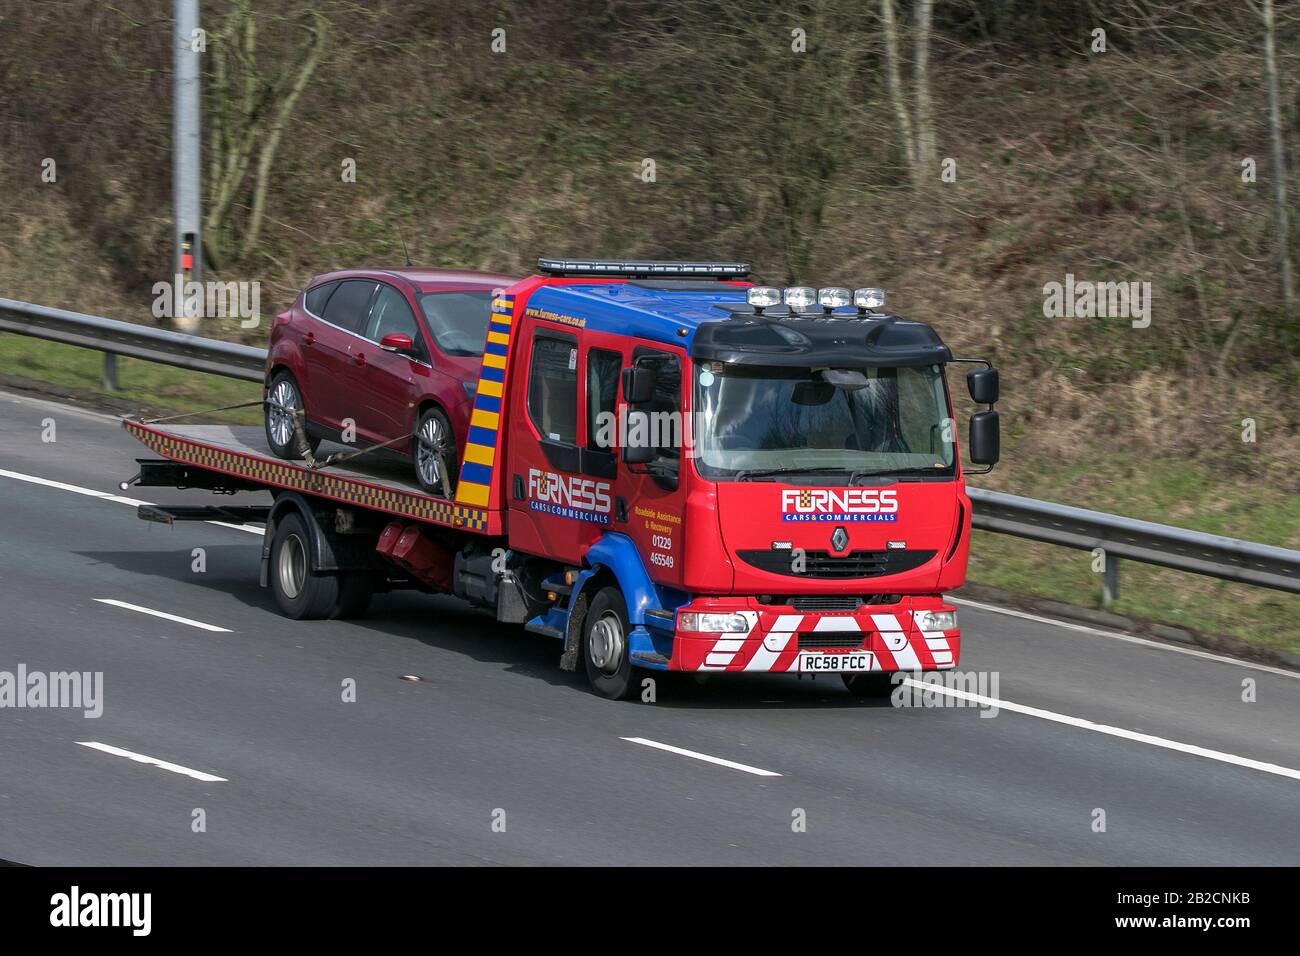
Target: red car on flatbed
{"x": 375, "y": 356}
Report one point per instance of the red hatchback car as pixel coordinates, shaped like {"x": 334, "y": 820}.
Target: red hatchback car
{"x": 374, "y": 356}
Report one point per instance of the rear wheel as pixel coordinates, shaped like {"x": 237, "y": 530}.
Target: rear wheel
{"x": 356, "y": 588}
{"x": 284, "y": 403}
{"x": 875, "y": 685}
{"x": 302, "y": 593}
{"x": 605, "y": 646}
{"x": 434, "y": 453}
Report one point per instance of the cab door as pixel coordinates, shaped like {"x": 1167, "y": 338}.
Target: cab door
{"x": 560, "y": 492}
{"x": 650, "y": 498}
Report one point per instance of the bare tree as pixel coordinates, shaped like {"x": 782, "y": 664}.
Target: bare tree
{"x": 1279, "y": 165}
{"x": 915, "y": 128}
{"x": 249, "y": 106}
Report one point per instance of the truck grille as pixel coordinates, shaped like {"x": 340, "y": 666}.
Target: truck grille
{"x": 824, "y": 602}
{"x": 820, "y": 640}
{"x": 823, "y": 564}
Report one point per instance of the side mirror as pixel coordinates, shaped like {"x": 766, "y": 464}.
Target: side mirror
{"x": 638, "y": 385}
{"x": 638, "y": 454}
{"x": 397, "y": 342}
{"x": 983, "y": 385}
{"x": 985, "y": 438}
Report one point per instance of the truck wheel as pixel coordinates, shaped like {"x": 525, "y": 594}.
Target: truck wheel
{"x": 356, "y": 588}
{"x": 283, "y": 396}
{"x": 877, "y": 685}
{"x": 303, "y": 594}
{"x": 433, "y": 447}
{"x": 604, "y": 646}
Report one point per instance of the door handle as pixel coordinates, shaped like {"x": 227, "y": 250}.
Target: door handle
{"x": 360, "y": 358}
{"x": 309, "y": 338}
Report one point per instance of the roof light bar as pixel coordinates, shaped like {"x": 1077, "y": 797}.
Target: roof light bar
{"x": 642, "y": 268}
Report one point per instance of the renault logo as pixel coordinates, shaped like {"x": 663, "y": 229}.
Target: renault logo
{"x": 839, "y": 539}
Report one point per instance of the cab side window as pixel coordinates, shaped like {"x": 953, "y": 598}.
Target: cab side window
{"x": 316, "y": 298}
{"x": 665, "y": 408}
{"x": 553, "y": 387}
{"x": 603, "y": 369}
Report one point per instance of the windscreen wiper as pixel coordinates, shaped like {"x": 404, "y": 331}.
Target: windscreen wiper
{"x": 747, "y": 473}
{"x": 897, "y": 472}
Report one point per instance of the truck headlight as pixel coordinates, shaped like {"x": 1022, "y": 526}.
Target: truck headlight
{"x": 936, "y": 620}
{"x": 710, "y": 623}
{"x": 763, "y": 296}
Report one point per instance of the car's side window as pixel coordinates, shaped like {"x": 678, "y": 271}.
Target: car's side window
{"x": 316, "y": 298}
{"x": 391, "y": 315}
{"x": 349, "y": 306}
{"x": 553, "y": 387}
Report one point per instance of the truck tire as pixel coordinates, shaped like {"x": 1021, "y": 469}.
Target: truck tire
{"x": 605, "y": 646}
{"x": 875, "y": 685}
{"x": 280, "y": 433}
{"x": 356, "y": 588}
{"x": 432, "y": 447}
{"x": 301, "y": 593}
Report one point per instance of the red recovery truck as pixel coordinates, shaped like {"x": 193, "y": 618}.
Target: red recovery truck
{"x": 666, "y": 468}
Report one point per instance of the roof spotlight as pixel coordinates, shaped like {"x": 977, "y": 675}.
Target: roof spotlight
{"x": 800, "y": 298}
{"x": 762, "y": 296}
{"x": 834, "y": 297}
{"x": 869, "y": 298}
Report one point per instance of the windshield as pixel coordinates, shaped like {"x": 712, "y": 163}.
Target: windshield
{"x": 458, "y": 321}
{"x": 754, "y": 422}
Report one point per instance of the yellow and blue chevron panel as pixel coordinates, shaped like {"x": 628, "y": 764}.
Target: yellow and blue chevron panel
{"x": 485, "y": 421}
{"x": 342, "y": 488}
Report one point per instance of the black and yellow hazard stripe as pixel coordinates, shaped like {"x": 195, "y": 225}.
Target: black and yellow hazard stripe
{"x": 283, "y": 474}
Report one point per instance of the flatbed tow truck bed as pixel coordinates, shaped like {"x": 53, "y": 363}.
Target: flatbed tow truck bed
{"x": 240, "y": 452}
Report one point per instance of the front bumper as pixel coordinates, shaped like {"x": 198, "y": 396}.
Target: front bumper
{"x": 779, "y": 637}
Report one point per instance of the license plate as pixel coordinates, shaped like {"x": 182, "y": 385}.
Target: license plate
{"x": 836, "y": 663}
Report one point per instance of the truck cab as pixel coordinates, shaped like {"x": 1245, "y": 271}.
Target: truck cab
{"x": 699, "y": 474}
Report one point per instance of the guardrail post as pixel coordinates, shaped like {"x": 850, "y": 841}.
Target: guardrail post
{"x": 110, "y": 372}
{"x": 1110, "y": 581}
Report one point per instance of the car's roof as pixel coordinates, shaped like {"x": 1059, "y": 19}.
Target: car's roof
{"x": 427, "y": 280}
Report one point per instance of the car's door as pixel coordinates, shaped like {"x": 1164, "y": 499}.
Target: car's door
{"x": 395, "y": 381}
{"x": 336, "y": 381}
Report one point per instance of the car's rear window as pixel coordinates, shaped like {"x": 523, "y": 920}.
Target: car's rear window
{"x": 458, "y": 321}
{"x": 316, "y": 298}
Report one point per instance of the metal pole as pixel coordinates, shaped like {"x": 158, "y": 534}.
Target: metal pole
{"x": 110, "y": 372}
{"x": 186, "y": 153}
{"x": 1110, "y": 581}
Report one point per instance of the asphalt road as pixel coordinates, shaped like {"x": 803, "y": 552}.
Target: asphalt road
{"x": 419, "y": 772}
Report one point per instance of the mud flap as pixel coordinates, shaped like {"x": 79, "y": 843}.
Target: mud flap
{"x": 573, "y": 634}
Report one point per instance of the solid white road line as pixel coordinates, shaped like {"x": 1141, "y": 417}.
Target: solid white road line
{"x": 1154, "y": 741}
{"x": 757, "y": 771}
{"x": 1119, "y": 636}
{"x": 152, "y": 761}
{"x": 105, "y": 496}
{"x": 164, "y": 615}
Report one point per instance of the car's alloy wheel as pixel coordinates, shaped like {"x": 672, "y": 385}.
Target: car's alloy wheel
{"x": 284, "y": 401}
{"x": 434, "y": 448}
